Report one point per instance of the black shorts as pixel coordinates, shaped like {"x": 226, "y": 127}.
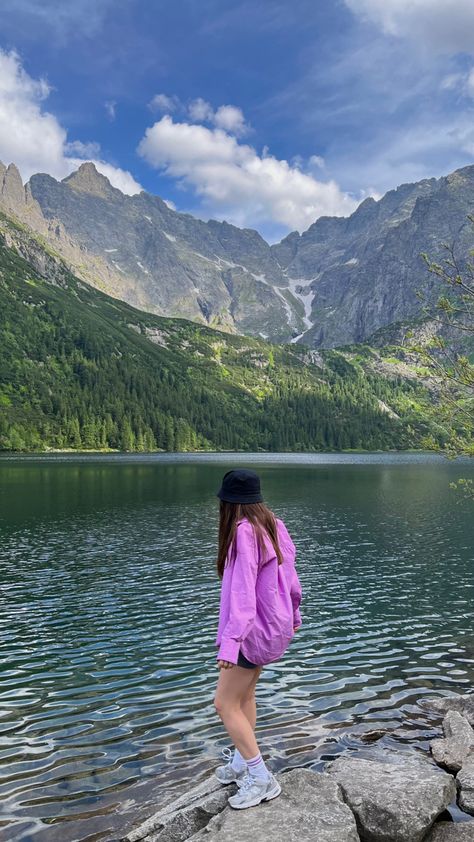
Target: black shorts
{"x": 243, "y": 662}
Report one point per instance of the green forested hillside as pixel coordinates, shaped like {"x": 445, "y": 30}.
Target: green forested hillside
{"x": 79, "y": 369}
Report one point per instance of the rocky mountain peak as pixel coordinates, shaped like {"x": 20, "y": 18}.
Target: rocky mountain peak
{"x": 11, "y": 186}
{"x": 17, "y": 199}
{"x": 87, "y": 179}
{"x": 336, "y": 283}
{"x": 461, "y": 177}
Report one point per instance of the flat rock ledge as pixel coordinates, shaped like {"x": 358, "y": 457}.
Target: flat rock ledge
{"x": 310, "y": 807}
{"x": 355, "y": 800}
{"x": 367, "y": 795}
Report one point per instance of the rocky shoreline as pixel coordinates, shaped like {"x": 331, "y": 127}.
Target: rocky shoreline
{"x": 378, "y": 795}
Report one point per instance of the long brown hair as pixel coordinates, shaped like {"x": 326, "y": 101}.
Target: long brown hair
{"x": 261, "y": 518}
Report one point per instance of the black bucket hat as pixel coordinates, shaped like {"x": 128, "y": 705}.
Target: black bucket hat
{"x": 240, "y": 486}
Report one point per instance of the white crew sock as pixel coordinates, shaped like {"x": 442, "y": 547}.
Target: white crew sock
{"x": 257, "y": 768}
{"x": 238, "y": 763}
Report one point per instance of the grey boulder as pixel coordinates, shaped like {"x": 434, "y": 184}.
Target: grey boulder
{"x": 458, "y": 743}
{"x": 395, "y": 800}
{"x": 449, "y": 832}
{"x": 465, "y": 784}
{"x": 463, "y": 704}
{"x": 309, "y": 808}
{"x": 183, "y": 816}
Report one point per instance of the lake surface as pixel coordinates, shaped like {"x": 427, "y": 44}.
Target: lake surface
{"x": 108, "y": 615}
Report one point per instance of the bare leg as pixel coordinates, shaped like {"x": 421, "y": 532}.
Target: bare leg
{"x": 249, "y": 709}
{"x": 233, "y": 691}
{"x": 249, "y": 704}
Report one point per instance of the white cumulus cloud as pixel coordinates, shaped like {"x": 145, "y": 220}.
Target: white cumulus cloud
{"x": 33, "y": 139}
{"x": 230, "y": 118}
{"x": 227, "y": 117}
{"x": 317, "y": 161}
{"x": 200, "y": 110}
{"x": 82, "y": 150}
{"x": 442, "y": 25}
{"x": 237, "y": 183}
{"x": 163, "y": 102}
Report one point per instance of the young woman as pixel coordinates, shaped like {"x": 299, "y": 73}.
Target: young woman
{"x": 258, "y": 615}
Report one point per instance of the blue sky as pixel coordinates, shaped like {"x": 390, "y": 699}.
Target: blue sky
{"x": 263, "y": 112}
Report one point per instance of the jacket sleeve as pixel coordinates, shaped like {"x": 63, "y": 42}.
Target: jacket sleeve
{"x": 242, "y": 606}
{"x": 296, "y": 593}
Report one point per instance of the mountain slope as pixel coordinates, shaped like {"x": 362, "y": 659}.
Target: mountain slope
{"x": 361, "y": 273}
{"x": 338, "y": 283}
{"x": 80, "y": 369}
{"x": 170, "y": 263}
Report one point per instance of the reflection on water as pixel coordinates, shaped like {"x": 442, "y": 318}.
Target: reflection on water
{"x": 108, "y": 614}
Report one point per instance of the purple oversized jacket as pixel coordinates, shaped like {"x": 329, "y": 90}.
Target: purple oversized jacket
{"x": 260, "y": 599}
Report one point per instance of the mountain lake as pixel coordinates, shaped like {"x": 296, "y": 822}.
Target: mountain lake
{"x": 108, "y": 615}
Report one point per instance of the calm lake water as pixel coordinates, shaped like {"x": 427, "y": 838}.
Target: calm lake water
{"x": 108, "y": 614}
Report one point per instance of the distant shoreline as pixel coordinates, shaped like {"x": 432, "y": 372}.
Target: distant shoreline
{"x": 136, "y": 455}
{"x": 111, "y": 450}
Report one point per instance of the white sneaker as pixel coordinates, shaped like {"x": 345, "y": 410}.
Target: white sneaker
{"x": 226, "y": 774}
{"x": 253, "y": 790}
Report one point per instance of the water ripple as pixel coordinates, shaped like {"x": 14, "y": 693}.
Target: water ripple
{"x": 108, "y": 614}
